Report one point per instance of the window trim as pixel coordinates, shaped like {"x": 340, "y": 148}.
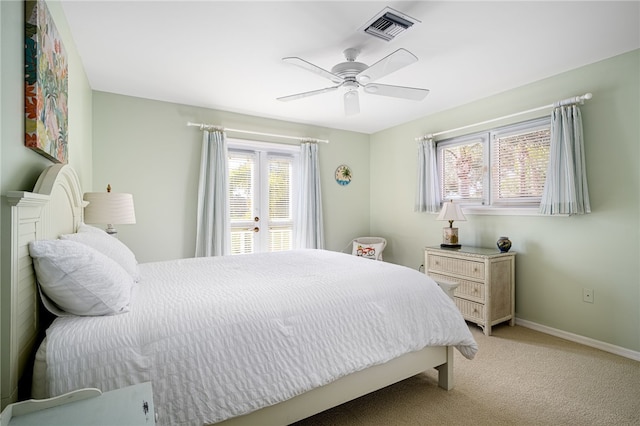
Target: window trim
{"x": 269, "y": 147}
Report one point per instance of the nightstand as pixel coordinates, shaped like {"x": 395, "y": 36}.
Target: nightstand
{"x": 132, "y": 405}
{"x": 485, "y": 293}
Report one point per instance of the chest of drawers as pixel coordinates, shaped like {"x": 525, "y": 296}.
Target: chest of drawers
{"x": 486, "y": 282}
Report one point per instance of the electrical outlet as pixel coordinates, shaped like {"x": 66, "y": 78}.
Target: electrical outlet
{"x": 587, "y": 295}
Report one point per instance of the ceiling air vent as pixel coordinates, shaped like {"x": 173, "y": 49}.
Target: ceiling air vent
{"x": 388, "y": 24}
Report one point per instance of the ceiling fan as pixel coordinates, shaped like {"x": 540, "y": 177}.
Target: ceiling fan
{"x": 352, "y": 75}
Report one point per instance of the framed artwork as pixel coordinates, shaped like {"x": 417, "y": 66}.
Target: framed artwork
{"x": 46, "y": 84}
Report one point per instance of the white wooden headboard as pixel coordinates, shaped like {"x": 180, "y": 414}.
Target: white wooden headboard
{"x": 54, "y": 207}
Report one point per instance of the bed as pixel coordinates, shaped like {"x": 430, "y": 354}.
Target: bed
{"x": 254, "y": 339}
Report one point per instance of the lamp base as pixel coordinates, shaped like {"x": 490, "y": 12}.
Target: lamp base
{"x": 111, "y": 230}
{"x": 451, "y": 246}
{"x": 450, "y": 238}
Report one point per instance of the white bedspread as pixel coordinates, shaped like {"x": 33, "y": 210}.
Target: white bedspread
{"x": 223, "y": 336}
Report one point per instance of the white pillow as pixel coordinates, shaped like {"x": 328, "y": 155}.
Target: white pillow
{"x": 83, "y": 227}
{"x": 369, "y": 251}
{"x": 79, "y": 279}
{"x": 109, "y": 246}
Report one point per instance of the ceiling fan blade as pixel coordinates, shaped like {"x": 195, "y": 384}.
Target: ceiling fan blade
{"x": 313, "y": 68}
{"x": 390, "y": 63}
{"x": 306, "y": 94}
{"x": 411, "y": 93}
{"x": 351, "y": 102}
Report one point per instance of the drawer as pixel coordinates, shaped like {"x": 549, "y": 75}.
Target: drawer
{"x": 449, "y": 265}
{"x": 470, "y": 289}
{"x": 471, "y": 310}
{"x": 466, "y": 289}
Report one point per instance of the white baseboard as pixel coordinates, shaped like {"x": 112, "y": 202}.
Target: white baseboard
{"x": 607, "y": 347}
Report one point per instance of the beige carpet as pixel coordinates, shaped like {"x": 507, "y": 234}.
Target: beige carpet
{"x": 518, "y": 377}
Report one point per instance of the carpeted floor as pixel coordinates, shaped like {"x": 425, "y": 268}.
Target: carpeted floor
{"x": 519, "y": 377}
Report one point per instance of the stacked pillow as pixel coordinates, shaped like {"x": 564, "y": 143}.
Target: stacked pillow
{"x": 107, "y": 245}
{"x": 88, "y": 273}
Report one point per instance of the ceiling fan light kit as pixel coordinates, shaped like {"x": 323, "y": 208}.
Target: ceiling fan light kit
{"x": 351, "y": 102}
{"x": 352, "y": 75}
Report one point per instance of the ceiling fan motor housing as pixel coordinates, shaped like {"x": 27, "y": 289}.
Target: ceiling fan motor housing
{"x": 348, "y": 69}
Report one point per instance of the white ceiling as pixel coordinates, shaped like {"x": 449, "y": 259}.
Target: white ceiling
{"x": 227, "y": 54}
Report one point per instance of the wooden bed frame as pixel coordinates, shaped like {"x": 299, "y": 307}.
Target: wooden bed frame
{"x": 55, "y": 207}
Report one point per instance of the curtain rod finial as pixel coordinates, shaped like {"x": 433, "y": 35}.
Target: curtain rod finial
{"x": 424, "y": 137}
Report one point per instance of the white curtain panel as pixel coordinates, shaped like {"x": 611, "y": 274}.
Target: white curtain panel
{"x": 427, "y": 188}
{"x": 213, "y": 226}
{"x": 565, "y": 190}
{"x": 309, "y": 226}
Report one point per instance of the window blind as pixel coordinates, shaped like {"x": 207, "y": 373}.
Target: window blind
{"x": 241, "y": 198}
{"x": 461, "y": 170}
{"x": 519, "y": 166}
{"x": 280, "y": 208}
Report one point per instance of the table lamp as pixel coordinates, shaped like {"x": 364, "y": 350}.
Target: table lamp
{"x": 109, "y": 208}
{"x": 450, "y": 212}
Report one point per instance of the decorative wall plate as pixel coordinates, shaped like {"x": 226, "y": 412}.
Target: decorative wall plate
{"x": 343, "y": 175}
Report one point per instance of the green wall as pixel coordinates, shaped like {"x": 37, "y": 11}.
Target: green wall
{"x": 144, "y": 147}
{"x": 557, "y": 256}
{"x": 20, "y": 166}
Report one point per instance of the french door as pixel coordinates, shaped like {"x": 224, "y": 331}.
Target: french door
{"x": 261, "y": 198}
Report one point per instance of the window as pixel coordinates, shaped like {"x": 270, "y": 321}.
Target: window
{"x": 462, "y": 168}
{"x": 261, "y": 196}
{"x": 503, "y": 167}
{"x": 519, "y": 159}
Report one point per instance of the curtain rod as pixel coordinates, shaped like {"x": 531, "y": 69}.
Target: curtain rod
{"x": 220, "y": 128}
{"x": 568, "y": 101}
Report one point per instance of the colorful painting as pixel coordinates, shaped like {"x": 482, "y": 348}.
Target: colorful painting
{"x": 46, "y": 84}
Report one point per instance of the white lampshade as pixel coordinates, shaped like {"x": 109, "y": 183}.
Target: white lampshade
{"x": 451, "y": 211}
{"x": 110, "y": 208}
